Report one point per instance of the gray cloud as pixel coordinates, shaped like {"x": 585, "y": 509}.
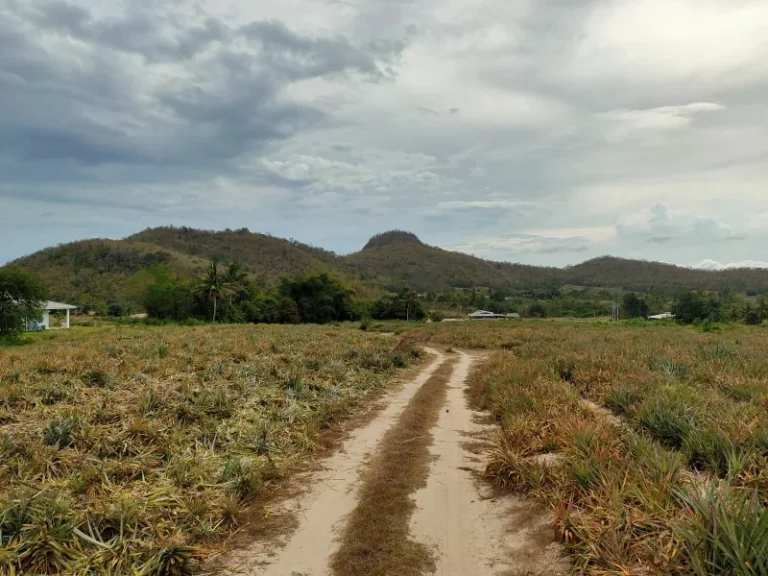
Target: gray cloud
{"x": 539, "y": 131}
{"x": 226, "y": 94}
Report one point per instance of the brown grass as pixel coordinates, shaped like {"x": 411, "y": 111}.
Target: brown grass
{"x": 376, "y": 539}
{"x": 269, "y": 520}
{"x": 166, "y": 439}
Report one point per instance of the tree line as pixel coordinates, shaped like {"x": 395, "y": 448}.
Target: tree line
{"x": 226, "y": 294}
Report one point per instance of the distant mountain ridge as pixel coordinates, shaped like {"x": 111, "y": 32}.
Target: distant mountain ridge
{"x": 102, "y": 269}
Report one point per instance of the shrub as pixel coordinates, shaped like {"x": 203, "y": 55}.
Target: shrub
{"x": 565, "y": 369}
{"x": 708, "y": 449}
{"x": 671, "y": 368}
{"x": 399, "y": 360}
{"x": 622, "y": 401}
{"x": 54, "y": 393}
{"x": 59, "y": 433}
{"x": 740, "y": 392}
{"x": 669, "y": 418}
{"x": 725, "y": 531}
{"x": 537, "y": 310}
{"x": 436, "y": 316}
{"x": 242, "y": 478}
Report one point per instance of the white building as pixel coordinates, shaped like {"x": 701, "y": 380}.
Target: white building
{"x": 484, "y": 314}
{"x": 664, "y": 316}
{"x": 44, "y": 323}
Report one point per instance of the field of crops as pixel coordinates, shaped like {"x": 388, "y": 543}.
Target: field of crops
{"x": 124, "y": 450}
{"x": 651, "y": 444}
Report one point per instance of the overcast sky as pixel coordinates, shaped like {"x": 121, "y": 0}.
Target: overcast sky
{"x": 541, "y": 131}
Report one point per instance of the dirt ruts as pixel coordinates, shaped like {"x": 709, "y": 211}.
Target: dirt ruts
{"x": 422, "y": 451}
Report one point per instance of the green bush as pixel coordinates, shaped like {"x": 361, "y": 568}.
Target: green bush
{"x": 708, "y": 449}
{"x": 670, "y": 418}
{"x": 725, "y": 532}
{"x": 59, "y": 433}
{"x": 622, "y": 401}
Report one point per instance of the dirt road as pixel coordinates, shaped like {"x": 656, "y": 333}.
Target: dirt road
{"x": 468, "y": 532}
{"x": 471, "y": 531}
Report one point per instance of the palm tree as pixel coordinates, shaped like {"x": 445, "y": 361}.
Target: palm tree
{"x": 214, "y": 285}
{"x": 237, "y": 280}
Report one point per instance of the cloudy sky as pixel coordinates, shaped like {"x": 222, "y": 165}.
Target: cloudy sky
{"x": 541, "y": 131}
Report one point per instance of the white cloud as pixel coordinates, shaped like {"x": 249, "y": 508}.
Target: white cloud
{"x": 510, "y": 248}
{"x": 715, "y": 265}
{"x": 483, "y": 208}
{"x": 675, "y": 41}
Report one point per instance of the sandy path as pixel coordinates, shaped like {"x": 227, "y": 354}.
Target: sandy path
{"x": 472, "y": 533}
{"x": 332, "y": 497}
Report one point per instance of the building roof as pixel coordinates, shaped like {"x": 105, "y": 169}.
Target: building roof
{"x": 50, "y": 305}
{"x": 487, "y": 314}
{"x": 663, "y": 316}
{"x": 481, "y": 313}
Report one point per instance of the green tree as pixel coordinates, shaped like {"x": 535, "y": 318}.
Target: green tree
{"x": 409, "y": 300}
{"x": 288, "y": 311}
{"x": 320, "y": 298}
{"x": 537, "y": 310}
{"x": 633, "y": 306}
{"x": 169, "y": 299}
{"x": 21, "y": 300}
{"x": 762, "y": 306}
{"x": 692, "y": 307}
{"x": 752, "y": 315}
{"x": 405, "y": 305}
{"x": 236, "y": 278}
{"x": 214, "y": 286}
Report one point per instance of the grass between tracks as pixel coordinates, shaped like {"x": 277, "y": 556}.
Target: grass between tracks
{"x": 376, "y": 539}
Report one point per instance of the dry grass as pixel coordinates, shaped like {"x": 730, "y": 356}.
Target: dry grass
{"x": 376, "y": 539}
{"x": 124, "y": 451}
{"x": 681, "y": 489}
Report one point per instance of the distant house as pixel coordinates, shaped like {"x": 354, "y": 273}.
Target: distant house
{"x": 485, "y": 315}
{"x": 44, "y": 323}
{"x": 664, "y": 316}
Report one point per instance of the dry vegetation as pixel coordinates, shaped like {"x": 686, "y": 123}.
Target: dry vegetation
{"x": 376, "y": 541}
{"x": 125, "y": 451}
{"x": 673, "y": 480}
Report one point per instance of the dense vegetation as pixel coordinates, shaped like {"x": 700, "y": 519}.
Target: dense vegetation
{"x": 21, "y": 298}
{"x": 226, "y": 294}
{"x": 98, "y": 272}
{"x": 122, "y": 450}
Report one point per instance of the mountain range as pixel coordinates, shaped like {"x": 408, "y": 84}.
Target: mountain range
{"x": 102, "y": 269}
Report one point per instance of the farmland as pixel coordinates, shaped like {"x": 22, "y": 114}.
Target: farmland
{"x": 127, "y": 451}
{"x": 649, "y": 444}
{"x": 130, "y": 450}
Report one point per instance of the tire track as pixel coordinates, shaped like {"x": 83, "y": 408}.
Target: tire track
{"x": 332, "y": 496}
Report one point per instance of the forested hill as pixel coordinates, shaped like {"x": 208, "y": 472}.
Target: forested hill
{"x": 642, "y": 275}
{"x": 107, "y": 269}
{"x": 399, "y": 258}
{"x": 267, "y": 257}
